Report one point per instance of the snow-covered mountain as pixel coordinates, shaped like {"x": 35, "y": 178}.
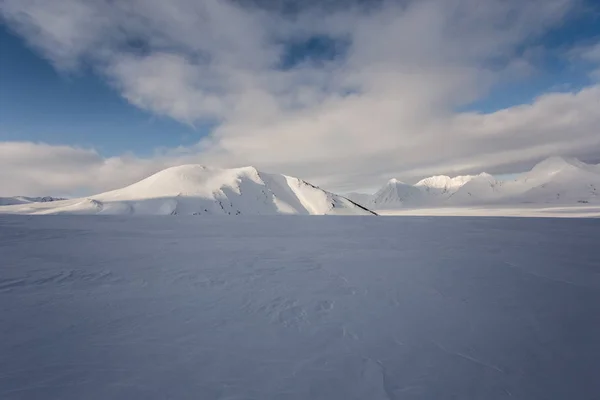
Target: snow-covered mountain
{"x": 196, "y": 189}
{"x": 396, "y": 192}
{"x": 480, "y": 188}
{"x": 8, "y": 201}
{"x": 442, "y": 185}
{"x": 427, "y": 192}
{"x": 559, "y": 180}
{"x": 556, "y": 180}
{"x": 200, "y": 190}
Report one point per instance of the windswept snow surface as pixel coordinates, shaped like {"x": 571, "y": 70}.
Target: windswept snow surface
{"x": 299, "y": 308}
{"x": 200, "y": 190}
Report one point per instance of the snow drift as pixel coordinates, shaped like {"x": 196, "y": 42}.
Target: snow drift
{"x": 199, "y": 190}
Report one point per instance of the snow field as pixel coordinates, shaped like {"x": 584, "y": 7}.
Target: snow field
{"x": 298, "y": 308}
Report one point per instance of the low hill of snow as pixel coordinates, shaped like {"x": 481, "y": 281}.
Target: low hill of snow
{"x": 8, "y": 201}
{"x": 199, "y": 190}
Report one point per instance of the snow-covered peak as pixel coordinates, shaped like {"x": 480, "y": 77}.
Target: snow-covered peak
{"x": 481, "y": 187}
{"x": 559, "y": 162}
{"x": 395, "y": 181}
{"x": 554, "y": 180}
{"x": 442, "y": 185}
{"x": 198, "y": 190}
{"x": 395, "y": 193}
{"x": 484, "y": 176}
{"x": 560, "y": 180}
{"x": 444, "y": 182}
{"x": 558, "y": 165}
{"x": 185, "y": 180}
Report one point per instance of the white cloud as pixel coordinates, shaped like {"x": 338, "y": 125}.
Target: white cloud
{"x": 384, "y": 108}
{"x": 169, "y": 84}
{"x": 509, "y": 140}
{"x": 33, "y": 168}
{"x": 591, "y": 54}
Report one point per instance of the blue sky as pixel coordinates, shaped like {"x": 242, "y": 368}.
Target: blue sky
{"x": 345, "y": 96}
{"x": 39, "y": 103}
{"x": 557, "y": 71}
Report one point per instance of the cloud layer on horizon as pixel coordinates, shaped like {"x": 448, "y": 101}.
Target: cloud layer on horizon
{"x": 381, "y": 104}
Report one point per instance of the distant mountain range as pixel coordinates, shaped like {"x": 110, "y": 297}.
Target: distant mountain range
{"x": 200, "y": 190}
{"x": 556, "y": 180}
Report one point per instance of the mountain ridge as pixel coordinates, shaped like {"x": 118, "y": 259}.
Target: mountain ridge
{"x": 555, "y": 180}
{"x": 195, "y": 189}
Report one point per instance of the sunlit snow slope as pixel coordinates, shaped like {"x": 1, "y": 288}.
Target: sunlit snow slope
{"x": 198, "y": 190}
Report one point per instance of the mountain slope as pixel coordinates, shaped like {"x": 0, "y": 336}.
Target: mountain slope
{"x": 359, "y": 198}
{"x": 200, "y": 190}
{"x": 558, "y": 180}
{"x": 396, "y": 193}
{"x": 480, "y": 188}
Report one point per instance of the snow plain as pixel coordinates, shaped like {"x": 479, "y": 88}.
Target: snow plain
{"x": 284, "y": 307}
{"x": 522, "y": 210}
